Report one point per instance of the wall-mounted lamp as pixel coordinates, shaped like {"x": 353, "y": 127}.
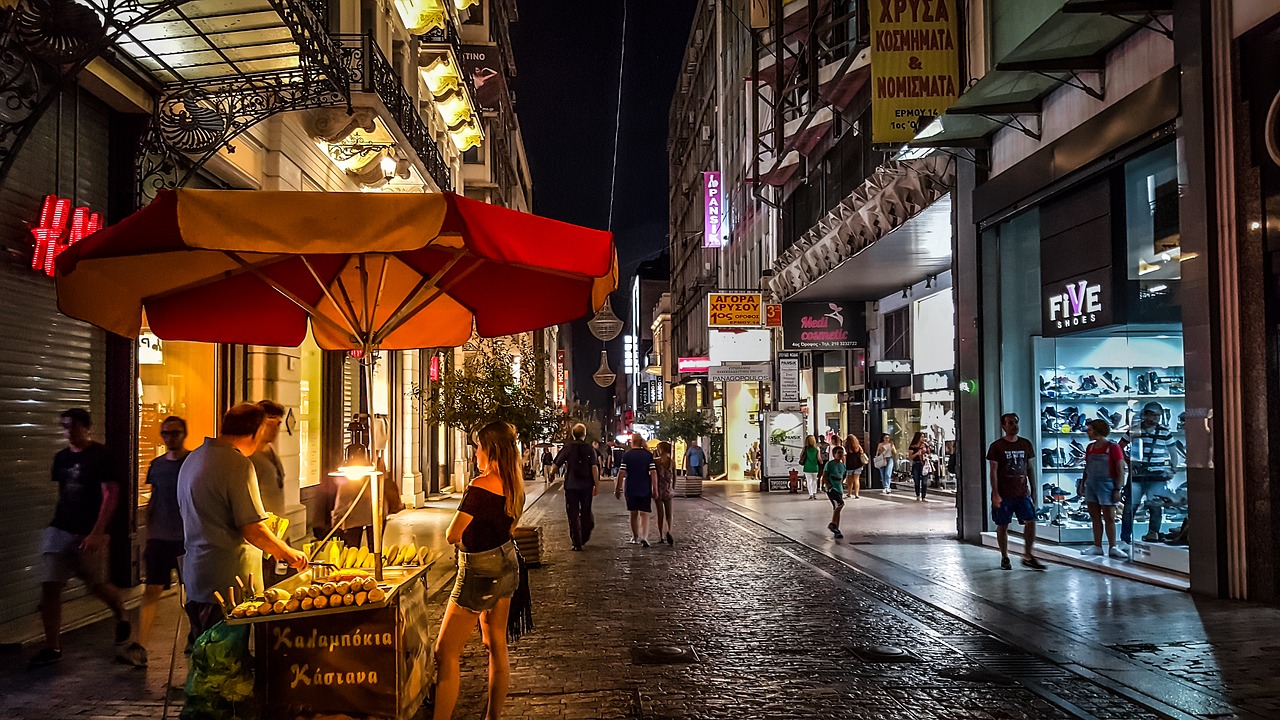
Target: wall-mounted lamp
{"x": 389, "y": 165}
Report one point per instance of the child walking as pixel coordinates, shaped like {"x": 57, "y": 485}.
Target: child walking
{"x": 833, "y": 474}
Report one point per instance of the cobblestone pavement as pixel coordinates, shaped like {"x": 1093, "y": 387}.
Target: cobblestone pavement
{"x": 757, "y": 624}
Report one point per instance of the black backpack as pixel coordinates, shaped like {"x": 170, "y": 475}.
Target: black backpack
{"x": 581, "y": 459}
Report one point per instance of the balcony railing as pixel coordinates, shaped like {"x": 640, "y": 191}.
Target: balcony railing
{"x": 369, "y": 71}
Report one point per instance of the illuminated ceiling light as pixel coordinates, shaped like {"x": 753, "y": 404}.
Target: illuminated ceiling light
{"x": 1255, "y": 225}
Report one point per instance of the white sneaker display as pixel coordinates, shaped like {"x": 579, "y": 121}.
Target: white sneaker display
{"x": 1091, "y": 550}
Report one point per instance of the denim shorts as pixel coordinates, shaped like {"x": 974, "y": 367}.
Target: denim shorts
{"x": 63, "y": 559}
{"x": 1009, "y": 507}
{"x": 1099, "y": 491}
{"x": 486, "y": 577}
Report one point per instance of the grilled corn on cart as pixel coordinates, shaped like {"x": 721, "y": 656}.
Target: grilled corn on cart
{"x": 366, "y": 660}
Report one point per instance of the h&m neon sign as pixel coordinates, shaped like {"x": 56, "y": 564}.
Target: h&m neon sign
{"x": 59, "y": 228}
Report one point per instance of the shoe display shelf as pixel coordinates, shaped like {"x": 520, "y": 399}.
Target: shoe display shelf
{"x": 1071, "y": 396}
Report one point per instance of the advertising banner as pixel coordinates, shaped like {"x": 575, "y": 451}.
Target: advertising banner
{"x": 788, "y": 389}
{"x": 756, "y": 372}
{"x": 823, "y": 325}
{"x": 773, "y": 315}
{"x": 712, "y": 211}
{"x": 915, "y": 66}
{"x": 784, "y": 434}
{"x": 693, "y": 365}
{"x": 744, "y": 346}
{"x": 484, "y": 64}
{"x": 733, "y": 310}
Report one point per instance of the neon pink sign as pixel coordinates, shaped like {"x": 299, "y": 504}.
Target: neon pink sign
{"x": 712, "y": 210}
{"x": 60, "y": 227}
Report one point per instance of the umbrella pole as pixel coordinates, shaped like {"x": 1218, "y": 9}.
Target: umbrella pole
{"x": 375, "y": 480}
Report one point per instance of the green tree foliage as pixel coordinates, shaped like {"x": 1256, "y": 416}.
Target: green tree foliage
{"x": 686, "y": 425}
{"x": 486, "y": 388}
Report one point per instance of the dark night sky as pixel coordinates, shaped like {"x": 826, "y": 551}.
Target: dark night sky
{"x": 567, "y": 54}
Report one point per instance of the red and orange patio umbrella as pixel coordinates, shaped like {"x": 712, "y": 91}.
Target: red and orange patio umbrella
{"x": 366, "y": 271}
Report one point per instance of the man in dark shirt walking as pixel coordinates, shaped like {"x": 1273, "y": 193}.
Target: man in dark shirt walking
{"x": 75, "y": 543}
{"x": 581, "y": 483}
{"x": 1010, "y": 459}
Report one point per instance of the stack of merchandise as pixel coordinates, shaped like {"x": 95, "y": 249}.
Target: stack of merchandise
{"x": 529, "y": 543}
{"x": 688, "y": 485}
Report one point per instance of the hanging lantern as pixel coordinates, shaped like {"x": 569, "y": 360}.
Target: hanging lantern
{"x": 605, "y": 325}
{"x": 604, "y": 377}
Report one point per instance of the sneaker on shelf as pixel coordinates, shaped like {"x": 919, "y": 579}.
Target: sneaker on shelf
{"x": 1088, "y": 386}
{"x": 1005, "y": 564}
{"x": 1110, "y": 382}
{"x": 1033, "y": 564}
{"x": 1091, "y": 550}
{"x": 134, "y": 654}
{"x": 1048, "y": 458}
{"x": 46, "y": 656}
{"x": 123, "y": 631}
{"x": 1117, "y": 553}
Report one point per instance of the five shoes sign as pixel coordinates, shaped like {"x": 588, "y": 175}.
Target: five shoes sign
{"x": 1078, "y": 303}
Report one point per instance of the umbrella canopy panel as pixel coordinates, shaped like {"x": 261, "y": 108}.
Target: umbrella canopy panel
{"x": 388, "y": 271}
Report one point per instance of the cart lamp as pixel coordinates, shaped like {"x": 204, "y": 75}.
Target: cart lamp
{"x": 356, "y": 464}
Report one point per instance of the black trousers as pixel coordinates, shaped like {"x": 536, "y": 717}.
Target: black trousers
{"x": 581, "y": 522}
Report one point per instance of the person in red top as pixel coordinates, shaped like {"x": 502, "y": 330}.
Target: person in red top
{"x": 1010, "y": 459}
{"x": 1103, "y": 468}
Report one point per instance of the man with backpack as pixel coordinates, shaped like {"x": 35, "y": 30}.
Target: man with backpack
{"x": 581, "y": 482}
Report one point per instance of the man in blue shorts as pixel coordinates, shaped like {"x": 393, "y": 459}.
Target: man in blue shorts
{"x": 1010, "y": 460}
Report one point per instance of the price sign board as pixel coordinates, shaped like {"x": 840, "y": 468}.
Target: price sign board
{"x": 734, "y": 310}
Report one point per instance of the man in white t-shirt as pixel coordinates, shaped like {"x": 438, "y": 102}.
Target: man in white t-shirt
{"x": 222, "y": 515}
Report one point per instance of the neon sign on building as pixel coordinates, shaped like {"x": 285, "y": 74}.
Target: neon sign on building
{"x": 59, "y": 228}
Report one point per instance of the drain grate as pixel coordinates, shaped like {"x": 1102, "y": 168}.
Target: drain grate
{"x": 778, "y": 540}
{"x": 883, "y": 654}
{"x": 1001, "y": 657}
{"x": 664, "y": 655}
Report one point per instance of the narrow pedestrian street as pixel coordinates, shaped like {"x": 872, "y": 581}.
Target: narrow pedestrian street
{"x": 757, "y": 613}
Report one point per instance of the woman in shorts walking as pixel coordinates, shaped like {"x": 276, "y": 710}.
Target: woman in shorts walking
{"x": 488, "y": 569}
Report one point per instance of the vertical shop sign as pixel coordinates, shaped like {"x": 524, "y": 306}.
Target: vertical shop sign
{"x": 915, "y": 65}
{"x": 560, "y": 384}
{"x": 788, "y": 377}
{"x": 712, "y": 210}
{"x": 59, "y": 228}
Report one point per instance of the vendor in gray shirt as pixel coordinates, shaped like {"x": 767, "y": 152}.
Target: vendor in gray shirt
{"x": 222, "y": 515}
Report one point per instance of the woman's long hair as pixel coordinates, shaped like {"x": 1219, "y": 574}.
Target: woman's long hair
{"x": 498, "y": 440}
{"x": 811, "y": 441}
{"x": 663, "y": 457}
{"x": 916, "y": 439}
{"x": 853, "y": 444}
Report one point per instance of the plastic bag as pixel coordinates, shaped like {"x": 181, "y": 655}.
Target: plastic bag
{"x": 220, "y": 678}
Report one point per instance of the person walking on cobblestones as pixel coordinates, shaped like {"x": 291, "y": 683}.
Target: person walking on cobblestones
{"x": 886, "y": 455}
{"x": 488, "y": 569}
{"x": 919, "y": 450}
{"x": 638, "y": 476}
{"x": 812, "y": 459}
{"x": 164, "y": 533}
{"x": 856, "y": 460}
{"x": 76, "y": 541}
{"x": 664, "y": 491}
{"x": 581, "y": 483}
{"x": 833, "y": 475}
{"x": 1010, "y": 459}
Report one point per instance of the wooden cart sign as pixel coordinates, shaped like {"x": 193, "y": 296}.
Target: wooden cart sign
{"x": 344, "y": 662}
{"x": 734, "y": 310}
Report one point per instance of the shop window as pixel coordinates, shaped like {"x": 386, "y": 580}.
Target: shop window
{"x": 174, "y": 378}
{"x": 471, "y": 156}
{"x": 1103, "y": 342}
{"x": 310, "y": 417}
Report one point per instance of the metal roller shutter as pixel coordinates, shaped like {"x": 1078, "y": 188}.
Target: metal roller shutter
{"x": 47, "y": 362}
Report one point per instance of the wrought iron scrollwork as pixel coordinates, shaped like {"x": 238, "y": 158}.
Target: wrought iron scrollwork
{"x": 194, "y": 122}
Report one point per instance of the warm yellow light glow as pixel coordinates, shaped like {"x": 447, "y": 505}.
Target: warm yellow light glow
{"x": 467, "y": 137}
{"x": 441, "y": 75}
{"x": 421, "y": 16}
{"x": 454, "y": 110}
{"x": 464, "y": 4}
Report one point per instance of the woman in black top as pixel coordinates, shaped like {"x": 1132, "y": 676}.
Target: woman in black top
{"x": 488, "y": 569}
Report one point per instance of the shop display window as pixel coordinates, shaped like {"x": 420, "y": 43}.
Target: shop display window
{"x": 174, "y": 378}
{"x": 1118, "y": 353}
